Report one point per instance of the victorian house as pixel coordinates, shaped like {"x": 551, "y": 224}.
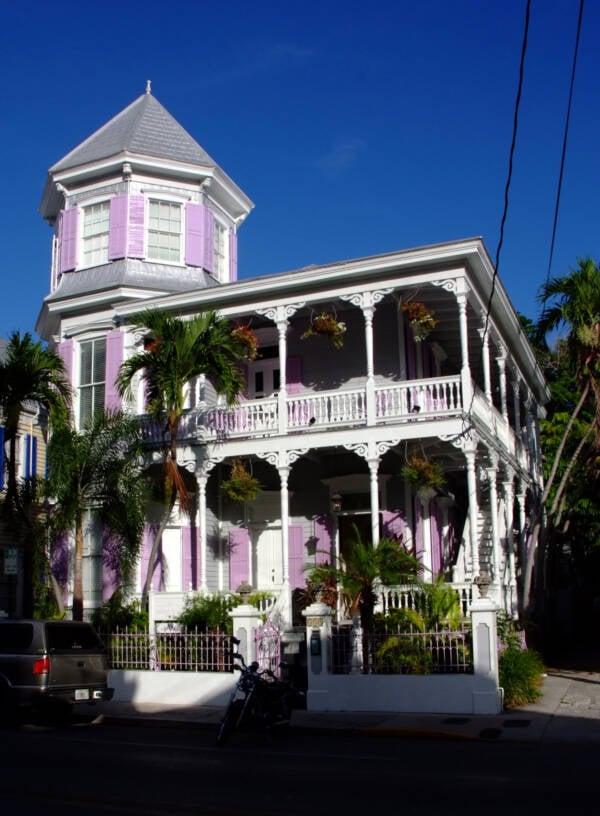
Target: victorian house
{"x": 396, "y": 393}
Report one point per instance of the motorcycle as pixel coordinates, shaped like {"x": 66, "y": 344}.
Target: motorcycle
{"x": 259, "y": 699}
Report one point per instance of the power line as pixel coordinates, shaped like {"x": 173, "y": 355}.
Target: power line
{"x": 565, "y": 138}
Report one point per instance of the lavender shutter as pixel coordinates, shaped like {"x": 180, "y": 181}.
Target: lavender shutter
{"x": 67, "y": 239}
{"x": 65, "y": 351}
{"x": 239, "y": 556}
{"x": 135, "y": 247}
{"x": 117, "y": 235}
{"x": 233, "y": 255}
{"x": 114, "y": 358}
{"x": 194, "y": 215}
{"x": 190, "y": 557}
{"x": 208, "y": 240}
{"x": 323, "y": 527}
{"x": 394, "y": 524}
{"x": 296, "y": 556}
{"x": 293, "y": 371}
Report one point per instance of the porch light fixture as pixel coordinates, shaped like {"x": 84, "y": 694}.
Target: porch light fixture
{"x": 336, "y": 503}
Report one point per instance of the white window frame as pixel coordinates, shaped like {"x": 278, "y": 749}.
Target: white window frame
{"x": 220, "y": 250}
{"x": 94, "y": 383}
{"x": 170, "y": 202}
{"x": 99, "y": 255}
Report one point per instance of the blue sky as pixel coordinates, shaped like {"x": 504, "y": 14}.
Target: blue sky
{"x": 354, "y": 128}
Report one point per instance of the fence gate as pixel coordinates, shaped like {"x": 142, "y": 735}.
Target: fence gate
{"x": 267, "y": 643}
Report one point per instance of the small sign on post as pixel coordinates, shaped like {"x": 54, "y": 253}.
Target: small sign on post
{"x": 11, "y": 559}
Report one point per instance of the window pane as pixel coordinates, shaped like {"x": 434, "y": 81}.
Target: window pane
{"x": 96, "y": 224}
{"x": 164, "y": 231}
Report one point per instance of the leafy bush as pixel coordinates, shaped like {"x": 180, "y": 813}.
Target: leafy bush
{"x": 520, "y": 676}
{"x": 116, "y": 613}
{"x": 208, "y": 613}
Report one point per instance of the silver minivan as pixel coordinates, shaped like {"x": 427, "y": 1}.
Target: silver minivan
{"x": 52, "y": 665}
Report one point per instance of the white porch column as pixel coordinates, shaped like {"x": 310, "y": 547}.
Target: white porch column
{"x": 367, "y": 302}
{"x": 425, "y": 495}
{"x": 509, "y": 510}
{"x": 373, "y": 463}
{"x": 465, "y": 371}
{"x": 368, "y": 312}
{"x": 492, "y": 474}
{"x": 284, "y": 473}
{"x": 517, "y": 404}
{"x": 485, "y": 355}
{"x": 282, "y": 395}
{"x": 473, "y": 510}
{"x": 501, "y": 363}
{"x": 521, "y": 498}
{"x": 202, "y": 528}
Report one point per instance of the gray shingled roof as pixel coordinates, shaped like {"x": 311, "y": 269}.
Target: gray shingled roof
{"x": 131, "y": 273}
{"x": 145, "y": 127}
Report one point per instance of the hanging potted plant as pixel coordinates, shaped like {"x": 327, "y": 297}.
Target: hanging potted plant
{"x": 244, "y": 335}
{"x": 327, "y": 324}
{"x": 423, "y": 473}
{"x": 421, "y": 318}
{"x": 241, "y": 485}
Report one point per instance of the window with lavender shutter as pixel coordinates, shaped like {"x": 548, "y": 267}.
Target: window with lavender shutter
{"x": 117, "y": 236}
{"x": 67, "y": 238}
{"x": 208, "y": 240}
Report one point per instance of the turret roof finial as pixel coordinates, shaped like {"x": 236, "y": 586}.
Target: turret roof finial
{"x": 148, "y": 86}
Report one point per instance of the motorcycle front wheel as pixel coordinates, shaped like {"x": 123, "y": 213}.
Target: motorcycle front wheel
{"x": 229, "y": 721}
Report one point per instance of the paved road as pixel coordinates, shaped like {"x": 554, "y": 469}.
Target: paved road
{"x": 118, "y": 768}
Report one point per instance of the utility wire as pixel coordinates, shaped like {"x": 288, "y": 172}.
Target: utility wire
{"x": 564, "y": 146}
{"x": 508, "y": 181}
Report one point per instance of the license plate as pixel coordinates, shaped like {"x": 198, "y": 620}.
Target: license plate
{"x": 82, "y": 694}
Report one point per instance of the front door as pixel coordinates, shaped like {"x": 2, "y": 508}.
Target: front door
{"x": 267, "y": 557}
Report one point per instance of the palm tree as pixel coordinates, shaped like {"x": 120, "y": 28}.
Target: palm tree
{"x": 98, "y": 471}
{"x": 361, "y": 569}
{"x": 175, "y": 352}
{"x": 30, "y": 373}
{"x": 33, "y": 376}
{"x": 571, "y": 301}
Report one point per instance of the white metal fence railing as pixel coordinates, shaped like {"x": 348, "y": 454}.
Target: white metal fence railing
{"x": 169, "y": 651}
{"x": 440, "y": 651}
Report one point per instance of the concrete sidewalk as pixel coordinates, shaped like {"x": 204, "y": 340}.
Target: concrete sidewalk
{"x": 569, "y": 711}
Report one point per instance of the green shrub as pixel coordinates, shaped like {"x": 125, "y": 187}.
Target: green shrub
{"x": 207, "y": 613}
{"x": 520, "y": 673}
{"x": 116, "y": 613}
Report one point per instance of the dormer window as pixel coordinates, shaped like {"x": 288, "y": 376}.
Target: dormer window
{"x": 96, "y": 223}
{"x": 164, "y": 231}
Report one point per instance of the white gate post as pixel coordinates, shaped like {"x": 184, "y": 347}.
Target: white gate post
{"x": 487, "y": 696}
{"x": 246, "y": 619}
{"x": 318, "y": 653}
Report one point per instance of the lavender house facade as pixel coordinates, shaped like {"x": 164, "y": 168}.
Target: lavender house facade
{"x": 142, "y": 216}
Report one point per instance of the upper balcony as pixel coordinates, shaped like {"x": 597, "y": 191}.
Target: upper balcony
{"x": 425, "y": 400}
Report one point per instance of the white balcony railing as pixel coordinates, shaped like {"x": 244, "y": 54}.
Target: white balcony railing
{"x": 393, "y": 403}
